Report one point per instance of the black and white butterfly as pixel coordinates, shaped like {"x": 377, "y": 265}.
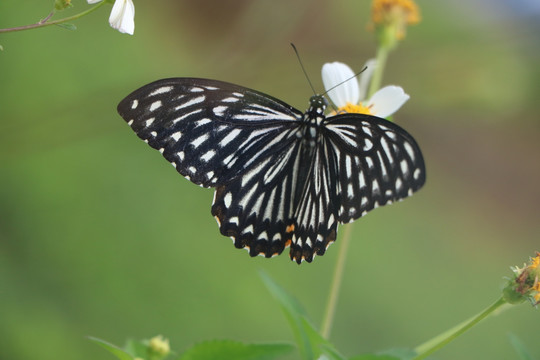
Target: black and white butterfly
{"x": 282, "y": 177}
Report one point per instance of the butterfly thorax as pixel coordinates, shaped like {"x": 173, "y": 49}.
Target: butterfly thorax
{"x": 313, "y": 118}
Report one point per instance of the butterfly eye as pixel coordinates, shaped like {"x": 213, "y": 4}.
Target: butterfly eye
{"x": 273, "y": 189}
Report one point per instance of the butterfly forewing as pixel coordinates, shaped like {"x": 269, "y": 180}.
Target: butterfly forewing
{"x": 211, "y": 131}
{"x": 378, "y": 163}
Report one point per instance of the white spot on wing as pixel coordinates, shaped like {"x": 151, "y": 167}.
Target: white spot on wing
{"x": 155, "y": 105}
{"x": 248, "y": 230}
{"x": 409, "y": 150}
{"x": 230, "y": 137}
{"x": 134, "y": 104}
{"x": 369, "y": 162}
{"x": 219, "y": 110}
{"x": 209, "y": 154}
{"x": 150, "y": 121}
{"x": 176, "y": 136}
{"x": 202, "y": 122}
{"x": 404, "y": 166}
{"x": 368, "y": 144}
{"x": 350, "y": 191}
{"x": 227, "y": 200}
{"x": 198, "y": 141}
{"x": 193, "y": 101}
{"x": 161, "y": 90}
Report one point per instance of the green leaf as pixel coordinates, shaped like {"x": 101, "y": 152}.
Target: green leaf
{"x": 294, "y": 313}
{"x": 113, "y": 349}
{"x": 67, "y": 26}
{"x": 374, "y": 357}
{"x": 520, "y": 348}
{"x": 226, "y": 349}
{"x": 400, "y": 353}
{"x": 137, "y": 348}
{"x": 310, "y": 343}
{"x": 392, "y": 354}
{"x": 320, "y": 343}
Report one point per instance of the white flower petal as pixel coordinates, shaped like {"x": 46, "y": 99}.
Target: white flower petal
{"x": 93, "y": 1}
{"x": 334, "y": 74}
{"x": 123, "y": 16}
{"x": 387, "y": 101}
{"x": 365, "y": 77}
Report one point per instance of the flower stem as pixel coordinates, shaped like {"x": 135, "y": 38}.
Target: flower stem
{"x": 45, "y": 21}
{"x": 443, "y": 339}
{"x": 337, "y": 279}
{"x": 376, "y": 80}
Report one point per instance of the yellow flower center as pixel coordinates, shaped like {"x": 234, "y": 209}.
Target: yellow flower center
{"x": 395, "y": 13}
{"x": 354, "y": 108}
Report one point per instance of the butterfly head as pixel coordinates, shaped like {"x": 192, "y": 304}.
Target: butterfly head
{"x": 317, "y": 102}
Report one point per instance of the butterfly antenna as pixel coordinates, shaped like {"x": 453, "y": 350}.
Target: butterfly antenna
{"x": 303, "y": 68}
{"x": 344, "y": 81}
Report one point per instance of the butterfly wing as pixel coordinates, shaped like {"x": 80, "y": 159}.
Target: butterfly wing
{"x": 257, "y": 210}
{"x": 211, "y": 131}
{"x": 378, "y": 162}
{"x": 316, "y": 214}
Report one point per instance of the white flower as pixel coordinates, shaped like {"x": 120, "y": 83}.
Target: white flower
{"x": 349, "y": 96}
{"x": 122, "y": 15}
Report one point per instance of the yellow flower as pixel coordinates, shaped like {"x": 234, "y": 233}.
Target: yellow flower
{"x": 525, "y": 284}
{"x": 391, "y": 17}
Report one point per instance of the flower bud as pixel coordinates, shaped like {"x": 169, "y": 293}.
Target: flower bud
{"x": 158, "y": 347}
{"x": 525, "y": 284}
{"x": 390, "y": 19}
{"x": 62, "y": 4}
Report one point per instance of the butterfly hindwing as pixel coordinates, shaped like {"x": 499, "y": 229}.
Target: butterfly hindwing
{"x": 211, "y": 131}
{"x": 257, "y": 210}
{"x": 378, "y": 161}
{"x": 316, "y": 216}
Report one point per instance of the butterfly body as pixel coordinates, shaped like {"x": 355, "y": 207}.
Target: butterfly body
{"x": 282, "y": 177}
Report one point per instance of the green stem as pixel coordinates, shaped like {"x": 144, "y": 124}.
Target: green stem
{"x": 376, "y": 80}
{"x": 337, "y": 279}
{"x": 443, "y": 339}
{"x": 45, "y": 21}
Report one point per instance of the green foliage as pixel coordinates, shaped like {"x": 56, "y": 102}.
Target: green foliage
{"x": 392, "y": 354}
{"x": 227, "y": 349}
{"x": 374, "y": 357}
{"x": 67, "y": 26}
{"x": 310, "y": 343}
{"x": 520, "y": 348}
{"x": 113, "y": 349}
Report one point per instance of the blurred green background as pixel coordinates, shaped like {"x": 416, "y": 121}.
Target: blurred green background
{"x": 100, "y": 236}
